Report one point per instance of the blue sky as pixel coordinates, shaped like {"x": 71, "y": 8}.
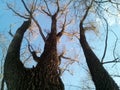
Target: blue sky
{"x": 80, "y": 76}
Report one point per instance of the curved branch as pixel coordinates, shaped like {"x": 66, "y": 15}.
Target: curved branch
{"x": 16, "y": 12}
{"x": 31, "y": 16}
{"x": 86, "y": 13}
{"x": 48, "y": 13}
{"x": 63, "y": 29}
{"x": 106, "y": 39}
{"x": 13, "y": 67}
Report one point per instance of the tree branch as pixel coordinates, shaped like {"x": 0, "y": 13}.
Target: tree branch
{"x": 86, "y": 13}
{"x": 40, "y": 30}
{"x": 113, "y": 61}
{"x": 63, "y": 29}
{"x": 16, "y": 12}
{"x": 45, "y": 12}
{"x": 106, "y": 39}
{"x": 48, "y": 13}
{"x": 33, "y": 53}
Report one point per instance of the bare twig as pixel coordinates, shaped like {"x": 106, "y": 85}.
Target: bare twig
{"x": 106, "y": 39}
{"x": 27, "y": 59}
{"x": 113, "y": 61}
{"x": 113, "y": 2}
{"x": 63, "y": 29}
{"x": 33, "y": 53}
{"x": 45, "y": 12}
{"x": 31, "y": 16}
{"x": 27, "y": 8}
{"x": 10, "y": 32}
{"x": 16, "y": 12}
{"x": 33, "y": 7}
{"x": 115, "y": 44}
{"x": 70, "y": 59}
{"x": 116, "y": 76}
{"x": 58, "y": 7}
{"x": 86, "y": 13}
{"x": 40, "y": 30}
{"x": 48, "y": 13}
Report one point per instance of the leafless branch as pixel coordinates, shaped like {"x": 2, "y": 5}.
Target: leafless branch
{"x": 86, "y": 13}
{"x": 16, "y": 12}
{"x": 27, "y": 8}
{"x": 70, "y": 59}
{"x": 115, "y": 44}
{"x": 106, "y": 9}
{"x": 27, "y": 59}
{"x": 62, "y": 11}
{"x": 33, "y": 53}
{"x": 116, "y": 76}
{"x": 101, "y": 1}
{"x": 106, "y": 39}
{"x": 113, "y": 61}
{"x": 71, "y": 35}
{"x": 113, "y": 2}
{"x": 63, "y": 29}
{"x": 33, "y": 7}
{"x": 58, "y": 7}
{"x": 65, "y": 68}
{"x": 45, "y": 12}
{"x": 10, "y": 32}
{"x": 66, "y": 6}
{"x": 48, "y": 13}
{"x": 40, "y": 30}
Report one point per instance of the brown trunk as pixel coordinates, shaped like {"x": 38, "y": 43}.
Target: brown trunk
{"x": 13, "y": 68}
{"x": 100, "y": 76}
{"x": 44, "y": 76}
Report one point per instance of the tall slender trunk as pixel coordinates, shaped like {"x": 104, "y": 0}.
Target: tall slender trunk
{"x": 100, "y": 76}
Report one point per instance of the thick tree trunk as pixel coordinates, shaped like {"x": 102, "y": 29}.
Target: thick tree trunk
{"x": 100, "y": 76}
{"x": 44, "y": 76}
{"x": 13, "y": 68}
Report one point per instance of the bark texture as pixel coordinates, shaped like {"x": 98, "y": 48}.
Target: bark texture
{"x": 44, "y": 76}
{"x": 100, "y": 76}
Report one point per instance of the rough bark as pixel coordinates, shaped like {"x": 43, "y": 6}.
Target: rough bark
{"x": 44, "y": 76}
{"x": 49, "y": 62}
{"x": 100, "y": 76}
{"x": 13, "y": 67}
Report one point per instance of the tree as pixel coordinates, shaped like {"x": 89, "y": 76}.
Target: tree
{"x": 46, "y": 74}
{"x": 100, "y": 76}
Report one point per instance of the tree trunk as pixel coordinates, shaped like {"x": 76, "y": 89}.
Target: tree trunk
{"x": 13, "y": 68}
{"x": 44, "y": 76}
{"x": 100, "y": 76}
